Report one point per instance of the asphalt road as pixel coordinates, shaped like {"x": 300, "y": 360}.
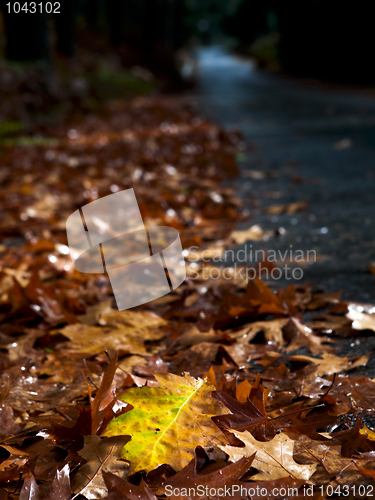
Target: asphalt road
{"x": 308, "y": 142}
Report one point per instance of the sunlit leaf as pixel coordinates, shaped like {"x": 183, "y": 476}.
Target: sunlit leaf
{"x": 168, "y": 422}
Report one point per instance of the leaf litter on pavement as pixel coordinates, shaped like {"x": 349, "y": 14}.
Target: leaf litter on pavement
{"x": 221, "y": 383}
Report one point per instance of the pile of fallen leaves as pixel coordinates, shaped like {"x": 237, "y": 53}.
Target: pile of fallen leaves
{"x": 221, "y": 383}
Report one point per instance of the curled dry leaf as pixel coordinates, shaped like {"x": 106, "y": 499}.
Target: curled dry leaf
{"x": 105, "y": 406}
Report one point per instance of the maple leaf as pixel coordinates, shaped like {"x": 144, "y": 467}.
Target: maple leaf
{"x": 273, "y": 459}
{"x": 101, "y": 454}
{"x": 168, "y": 422}
{"x": 250, "y": 413}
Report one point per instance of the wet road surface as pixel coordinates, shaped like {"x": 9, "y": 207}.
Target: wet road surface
{"x": 308, "y": 143}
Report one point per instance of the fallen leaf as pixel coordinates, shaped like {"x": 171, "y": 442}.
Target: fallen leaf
{"x": 60, "y": 488}
{"x": 168, "y": 422}
{"x": 361, "y": 320}
{"x": 289, "y": 208}
{"x": 189, "y": 478}
{"x": 120, "y": 489}
{"x": 123, "y": 331}
{"x": 273, "y": 459}
{"x": 30, "y": 489}
{"x": 105, "y": 406}
{"x": 329, "y": 363}
{"x": 368, "y": 472}
{"x": 253, "y": 233}
{"x": 365, "y": 431}
{"x": 272, "y": 331}
{"x": 101, "y": 454}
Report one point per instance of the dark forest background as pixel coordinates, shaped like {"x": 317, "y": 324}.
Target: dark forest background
{"x": 327, "y": 39}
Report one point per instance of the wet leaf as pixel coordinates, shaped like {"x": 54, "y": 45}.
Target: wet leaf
{"x": 119, "y": 489}
{"x": 217, "y": 480}
{"x": 101, "y": 454}
{"x": 168, "y": 422}
{"x": 121, "y": 331}
{"x": 273, "y": 459}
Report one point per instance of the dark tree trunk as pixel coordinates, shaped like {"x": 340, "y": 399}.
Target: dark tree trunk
{"x": 115, "y": 13}
{"x": 150, "y": 29}
{"x": 26, "y": 35}
{"x": 65, "y": 23}
{"x": 179, "y": 23}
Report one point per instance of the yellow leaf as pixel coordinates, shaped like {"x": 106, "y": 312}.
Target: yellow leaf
{"x": 368, "y": 433}
{"x": 168, "y": 422}
{"x": 243, "y": 391}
